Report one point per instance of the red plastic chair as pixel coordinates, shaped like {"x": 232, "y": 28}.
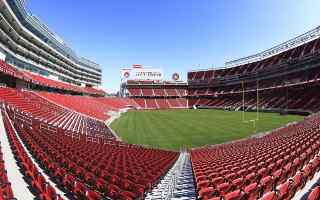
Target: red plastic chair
{"x": 314, "y": 194}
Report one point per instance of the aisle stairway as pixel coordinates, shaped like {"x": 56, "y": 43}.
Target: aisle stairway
{"x": 178, "y": 184}
{"x": 185, "y": 188}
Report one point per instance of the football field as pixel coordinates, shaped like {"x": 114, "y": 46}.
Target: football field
{"x": 175, "y": 129}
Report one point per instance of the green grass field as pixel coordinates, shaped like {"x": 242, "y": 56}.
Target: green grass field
{"x": 173, "y": 129}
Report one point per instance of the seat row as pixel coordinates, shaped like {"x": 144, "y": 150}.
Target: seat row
{"x": 158, "y": 92}
{"x": 161, "y": 103}
{"x": 5, "y": 189}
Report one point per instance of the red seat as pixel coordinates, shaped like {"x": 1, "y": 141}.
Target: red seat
{"x": 206, "y": 192}
{"x": 252, "y": 191}
{"x": 49, "y": 194}
{"x": 286, "y": 190}
{"x": 314, "y": 194}
{"x": 213, "y": 198}
{"x": 308, "y": 171}
{"x": 279, "y": 176}
{"x": 126, "y": 195}
{"x": 113, "y": 191}
{"x": 231, "y": 177}
{"x": 203, "y": 183}
{"x": 297, "y": 164}
{"x": 217, "y": 180}
{"x": 60, "y": 173}
{"x": 39, "y": 184}
{"x": 272, "y": 167}
{"x": 139, "y": 190}
{"x": 79, "y": 189}
{"x": 299, "y": 180}
{"x": 32, "y": 172}
{"x": 238, "y": 183}
{"x": 262, "y": 172}
{"x": 316, "y": 163}
{"x": 68, "y": 182}
{"x": 223, "y": 188}
{"x": 235, "y": 195}
{"x": 267, "y": 184}
{"x": 270, "y": 196}
{"x": 288, "y": 170}
{"x": 92, "y": 195}
{"x": 6, "y": 191}
{"x": 89, "y": 177}
{"x": 250, "y": 178}
{"x": 115, "y": 180}
{"x": 101, "y": 184}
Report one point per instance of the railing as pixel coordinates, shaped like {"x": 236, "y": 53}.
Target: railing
{"x": 48, "y": 128}
{"x": 22, "y": 117}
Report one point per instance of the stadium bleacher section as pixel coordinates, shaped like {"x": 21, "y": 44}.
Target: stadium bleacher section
{"x": 85, "y": 168}
{"x": 278, "y": 164}
{"x": 91, "y": 106}
{"x": 32, "y": 108}
{"x": 117, "y": 103}
{"x": 81, "y": 104}
{"x": 293, "y": 55}
{"x": 294, "y": 72}
{"x": 157, "y": 95}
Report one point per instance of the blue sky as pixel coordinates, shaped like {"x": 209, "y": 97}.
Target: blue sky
{"x": 175, "y": 35}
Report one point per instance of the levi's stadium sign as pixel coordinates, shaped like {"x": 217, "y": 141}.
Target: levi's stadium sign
{"x": 141, "y": 74}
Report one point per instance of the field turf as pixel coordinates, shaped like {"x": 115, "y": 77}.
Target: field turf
{"x": 175, "y": 129}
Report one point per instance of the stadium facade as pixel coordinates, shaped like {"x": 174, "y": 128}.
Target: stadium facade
{"x": 28, "y": 44}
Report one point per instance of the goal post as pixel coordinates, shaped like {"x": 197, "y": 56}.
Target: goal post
{"x": 253, "y": 121}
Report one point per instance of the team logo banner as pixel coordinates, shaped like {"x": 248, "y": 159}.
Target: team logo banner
{"x": 141, "y": 74}
{"x": 175, "y": 76}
